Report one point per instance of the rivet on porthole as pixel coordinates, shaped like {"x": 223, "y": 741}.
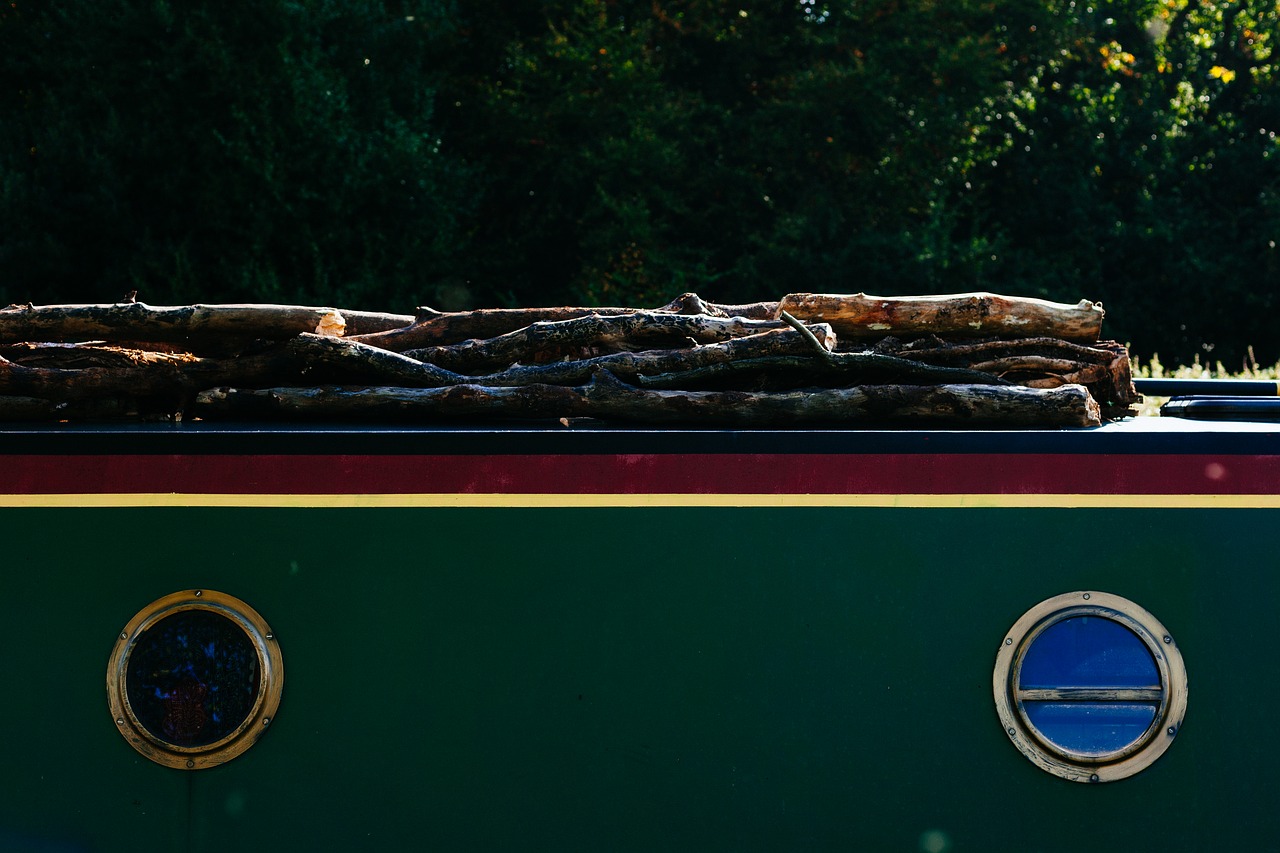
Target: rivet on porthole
{"x": 194, "y": 679}
{"x": 1089, "y": 687}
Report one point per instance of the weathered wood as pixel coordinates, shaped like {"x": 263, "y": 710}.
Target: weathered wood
{"x": 1087, "y": 694}
{"x": 28, "y": 409}
{"x": 314, "y": 358}
{"x": 138, "y": 321}
{"x": 964, "y": 315}
{"x": 607, "y": 398}
{"x": 984, "y": 405}
{"x": 438, "y": 328}
{"x": 77, "y": 356}
{"x": 1103, "y": 368}
{"x": 550, "y": 341}
{"x": 762, "y": 372}
{"x": 691, "y": 303}
{"x": 842, "y": 368}
{"x": 629, "y": 365}
{"x": 172, "y": 381}
{"x": 343, "y": 360}
{"x": 934, "y": 350}
{"x": 434, "y": 328}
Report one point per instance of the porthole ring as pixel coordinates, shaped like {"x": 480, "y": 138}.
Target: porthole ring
{"x": 185, "y": 723}
{"x": 1116, "y": 760}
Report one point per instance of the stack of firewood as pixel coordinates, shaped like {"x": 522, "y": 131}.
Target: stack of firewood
{"x": 972, "y": 359}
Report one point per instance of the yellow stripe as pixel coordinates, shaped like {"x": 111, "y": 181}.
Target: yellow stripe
{"x": 1000, "y": 501}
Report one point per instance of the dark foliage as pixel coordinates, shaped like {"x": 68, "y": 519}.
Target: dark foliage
{"x": 491, "y": 153}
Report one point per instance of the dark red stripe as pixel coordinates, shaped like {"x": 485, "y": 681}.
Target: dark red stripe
{"x": 644, "y": 474}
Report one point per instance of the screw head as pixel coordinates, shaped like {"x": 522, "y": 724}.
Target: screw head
{"x": 1086, "y": 596}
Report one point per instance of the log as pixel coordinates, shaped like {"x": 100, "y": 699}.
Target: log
{"x": 934, "y": 350}
{"x": 77, "y": 356}
{"x": 549, "y": 341}
{"x": 606, "y": 397}
{"x": 691, "y": 303}
{"x": 14, "y": 408}
{"x": 627, "y": 366}
{"x": 327, "y": 359}
{"x": 314, "y": 358}
{"x": 841, "y": 369}
{"x": 961, "y": 315}
{"x": 137, "y": 321}
{"x": 437, "y": 328}
{"x": 171, "y": 381}
{"x": 1103, "y": 368}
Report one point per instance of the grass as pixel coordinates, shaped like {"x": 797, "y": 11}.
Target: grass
{"x": 1153, "y": 369}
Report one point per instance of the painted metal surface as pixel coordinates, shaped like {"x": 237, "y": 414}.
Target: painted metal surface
{"x": 740, "y": 643}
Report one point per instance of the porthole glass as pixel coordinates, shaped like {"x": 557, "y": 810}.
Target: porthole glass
{"x": 194, "y": 679}
{"x": 1090, "y": 686}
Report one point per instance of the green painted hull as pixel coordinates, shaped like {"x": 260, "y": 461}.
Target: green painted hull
{"x": 633, "y": 678}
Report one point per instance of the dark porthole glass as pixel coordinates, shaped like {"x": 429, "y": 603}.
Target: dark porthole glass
{"x": 192, "y": 678}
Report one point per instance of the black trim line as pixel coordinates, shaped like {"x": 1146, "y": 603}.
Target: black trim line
{"x": 594, "y": 438}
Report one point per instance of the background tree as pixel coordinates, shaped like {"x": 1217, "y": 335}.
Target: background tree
{"x": 637, "y": 149}
{"x": 388, "y": 153}
{"x": 224, "y": 151}
{"x": 1142, "y": 166}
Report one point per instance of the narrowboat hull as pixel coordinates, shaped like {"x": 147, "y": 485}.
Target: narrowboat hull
{"x": 633, "y": 639}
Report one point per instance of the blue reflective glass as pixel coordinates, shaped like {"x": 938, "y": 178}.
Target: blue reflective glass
{"x": 1087, "y": 728}
{"x": 1088, "y": 651}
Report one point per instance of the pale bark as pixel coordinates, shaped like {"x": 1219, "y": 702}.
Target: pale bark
{"x": 963, "y": 315}
{"x": 137, "y": 321}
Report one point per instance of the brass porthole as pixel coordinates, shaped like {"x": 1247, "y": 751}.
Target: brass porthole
{"x": 1090, "y": 686}
{"x": 194, "y": 679}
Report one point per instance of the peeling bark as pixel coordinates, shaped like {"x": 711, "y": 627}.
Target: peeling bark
{"x": 964, "y": 315}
